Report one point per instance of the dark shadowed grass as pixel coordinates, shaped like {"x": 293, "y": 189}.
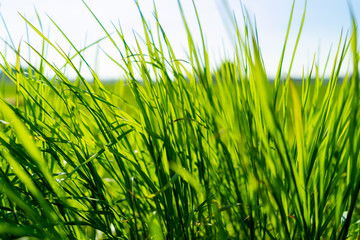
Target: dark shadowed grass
{"x": 179, "y": 155}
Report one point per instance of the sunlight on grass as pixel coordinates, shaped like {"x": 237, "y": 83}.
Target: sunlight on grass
{"x": 186, "y": 152}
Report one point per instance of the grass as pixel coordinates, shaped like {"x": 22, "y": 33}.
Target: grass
{"x": 179, "y": 155}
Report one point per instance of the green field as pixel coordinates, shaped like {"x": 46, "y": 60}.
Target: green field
{"x": 185, "y": 153}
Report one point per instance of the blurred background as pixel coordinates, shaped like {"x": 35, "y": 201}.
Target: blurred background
{"x": 325, "y": 21}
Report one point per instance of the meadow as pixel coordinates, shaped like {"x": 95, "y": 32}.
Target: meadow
{"x": 187, "y": 152}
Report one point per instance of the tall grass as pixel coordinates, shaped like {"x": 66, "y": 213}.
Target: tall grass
{"x": 189, "y": 152}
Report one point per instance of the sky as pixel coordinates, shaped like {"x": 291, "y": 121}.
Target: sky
{"x": 324, "y": 22}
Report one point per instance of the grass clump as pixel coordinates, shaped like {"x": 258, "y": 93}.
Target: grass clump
{"x": 189, "y": 152}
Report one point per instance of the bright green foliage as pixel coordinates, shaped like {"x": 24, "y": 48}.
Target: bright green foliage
{"x": 190, "y": 152}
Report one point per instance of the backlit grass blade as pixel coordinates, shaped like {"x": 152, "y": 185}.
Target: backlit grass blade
{"x": 29, "y": 144}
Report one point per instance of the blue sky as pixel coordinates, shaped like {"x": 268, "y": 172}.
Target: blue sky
{"x": 324, "y": 22}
